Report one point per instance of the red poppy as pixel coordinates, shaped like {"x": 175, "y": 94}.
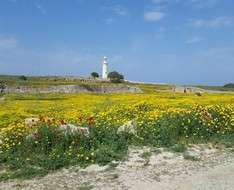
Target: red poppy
{"x": 49, "y": 122}
{"x": 91, "y": 120}
{"x": 36, "y": 135}
{"x": 63, "y": 122}
{"x": 81, "y": 119}
{"x": 82, "y": 131}
{"x": 41, "y": 118}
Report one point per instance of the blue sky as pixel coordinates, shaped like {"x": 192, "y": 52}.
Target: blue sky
{"x": 165, "y": 41}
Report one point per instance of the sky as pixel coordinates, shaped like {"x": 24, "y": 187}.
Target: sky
{"x": 161, "y": 41}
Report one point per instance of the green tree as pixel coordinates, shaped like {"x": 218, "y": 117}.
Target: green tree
{"x": 94, "y": 74}
{"x": 115, "y": 77}
{"x": 23, "y": 78}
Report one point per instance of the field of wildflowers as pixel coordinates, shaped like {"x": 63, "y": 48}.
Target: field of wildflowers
{"x": 161, "y": 119}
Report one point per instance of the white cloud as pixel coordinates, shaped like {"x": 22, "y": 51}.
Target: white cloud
{"x": 213, "y": 23}
{"x": 194, "y": 3}
{"x": 194, "y": 40}
{"x": 159, "y": 5}
{"x": 119, "y": 10}
{"x": 203, "y": 3}
{"x": 41, "y": 9}
{"x": 159, "y": 1}
{"x": 154, "y": 15}
{"x": 8, "y": 42}
{"x": 15, "y": 59}
{"x": 115, "y": 10}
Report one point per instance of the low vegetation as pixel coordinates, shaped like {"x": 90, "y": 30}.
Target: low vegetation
{"x": 164, "y": 120}
{"x": 227, "y": 87}
{"x": 230, "y": 85}
{"x": 44, "y": 81}
{"x": 2, "y": 87}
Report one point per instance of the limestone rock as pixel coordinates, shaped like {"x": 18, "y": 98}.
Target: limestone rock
{"x": 31, "y": 121}
{"x": 70, "y": 129}
{"x": 129, "y": 127}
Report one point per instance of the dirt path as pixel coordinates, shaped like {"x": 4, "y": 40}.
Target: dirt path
{"x": 200, "y": 168}
{"x": 218, "y": 178}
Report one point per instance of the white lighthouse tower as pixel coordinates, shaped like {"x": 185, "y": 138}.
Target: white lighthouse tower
{"x": 105, "y": 68}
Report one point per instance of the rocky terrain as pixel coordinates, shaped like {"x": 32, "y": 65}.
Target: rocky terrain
{"x": 201, "y": 167}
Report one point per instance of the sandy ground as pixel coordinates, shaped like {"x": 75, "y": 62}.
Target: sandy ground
{"x": 218, "y": 178}
{"x": 202, "y": 167}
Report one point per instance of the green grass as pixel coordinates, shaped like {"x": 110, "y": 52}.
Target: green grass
{"x": 190, "y": 157}
{"x": 54, "y": 150}
{"x": 146, "y": 156}
{"x": 152, "y": 88}
{"x": 85, "y": 187}
{"x": 35, "y": 81}
{"x": 178, "y": 148}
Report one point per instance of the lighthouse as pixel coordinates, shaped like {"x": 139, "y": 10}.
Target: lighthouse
{"x": 105, "y": 68}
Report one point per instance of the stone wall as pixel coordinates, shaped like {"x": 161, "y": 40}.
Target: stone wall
{"x": 73, "y": 89}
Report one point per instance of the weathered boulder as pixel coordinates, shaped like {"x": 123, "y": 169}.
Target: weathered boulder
{"x": 30, "y": 122}
{"x": 128, "y": 127}
{"x": 199, "y": 93}
{"x": 70, "y": 129}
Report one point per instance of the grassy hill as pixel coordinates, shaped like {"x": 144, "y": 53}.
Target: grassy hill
{"x": 44, "y": 81}
{"x": 216, "y": 88}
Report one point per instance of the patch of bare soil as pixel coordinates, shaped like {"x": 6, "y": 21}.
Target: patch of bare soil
{"x": 201, "y": 167}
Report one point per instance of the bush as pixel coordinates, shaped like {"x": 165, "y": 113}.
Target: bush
{"x": 195, "y": 126}
{"x": 115, "y": 77}
{"x": 2, "y": 86}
